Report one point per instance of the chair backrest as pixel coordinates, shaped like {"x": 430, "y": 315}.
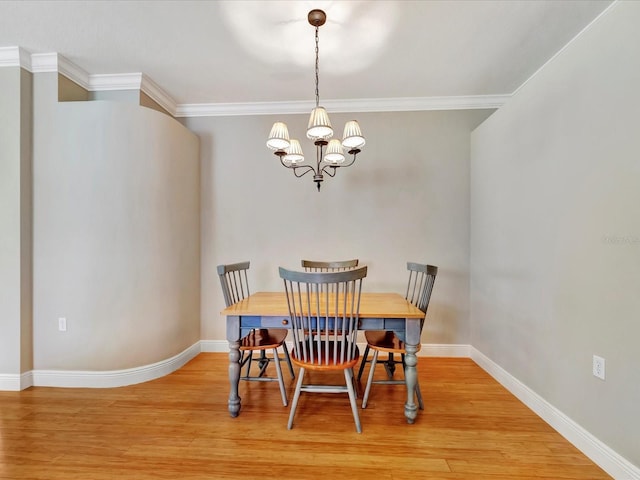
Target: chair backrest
{"x": 234, "y": 282}
{"x": 421, "y": 280}
{"x": 324, "y": 325}
{"x": 336, "y": 266}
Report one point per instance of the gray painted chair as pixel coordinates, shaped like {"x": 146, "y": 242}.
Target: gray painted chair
{"x": 235, "y": 287}
{"x": 332, "y": 319}
{"x": 419, "y": 288}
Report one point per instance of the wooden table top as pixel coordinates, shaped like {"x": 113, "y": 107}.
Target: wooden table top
{"x": 372, "y": 305}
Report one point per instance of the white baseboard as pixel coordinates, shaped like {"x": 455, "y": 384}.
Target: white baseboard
{"x": 10, "y": 383}
{"x": 113, "y": 378}
{"x": 15, "y": 383}
{"x": 444, "y": 350}
{"x": 603, "y": 456}
{"x": 214, "y": 346}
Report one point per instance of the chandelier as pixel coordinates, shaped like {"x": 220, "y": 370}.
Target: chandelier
{"x": 330, "y": 152}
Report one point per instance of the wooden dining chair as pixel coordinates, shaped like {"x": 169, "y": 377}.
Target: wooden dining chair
{"x": 419, "y": 288}
{"x": 333, "y": 266}
{"x": 235, "y": 287}
{"x": 333, "y": 319}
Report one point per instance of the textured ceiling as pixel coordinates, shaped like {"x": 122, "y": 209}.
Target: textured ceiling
{"x": 263, "y": 51}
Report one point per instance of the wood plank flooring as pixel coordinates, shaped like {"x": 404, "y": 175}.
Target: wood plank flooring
{"x": 178, "y": 427}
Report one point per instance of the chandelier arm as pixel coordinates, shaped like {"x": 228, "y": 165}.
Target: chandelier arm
{"x": 335, "y": 167}
{"x": 308, "y": 168}
{"x": 331, "y": 174}
{"x": 352, "y": 161}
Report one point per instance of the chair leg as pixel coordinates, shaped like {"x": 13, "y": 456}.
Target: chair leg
{"x": 390, "y": 366}
{"x": 263, "y": 362}
{"x": 296, "y": 397}
{"x": 283, "y": 392}
{"x": 419, "y": 395}
{"x": 246, "y": 356}
{"x": 372, "y": 369}
{"x": 348, "y": 377}
{"x": 288, "y": 359}
{"x": 356, "y": 387}
{"x": 249, "y": 360}
{"x": 364, "y": 361}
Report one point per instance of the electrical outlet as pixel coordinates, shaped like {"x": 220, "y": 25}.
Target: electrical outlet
{"x": 62, "y": 324}
{"x": 598, "y": 367}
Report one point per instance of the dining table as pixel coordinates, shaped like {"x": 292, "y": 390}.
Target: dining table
{"x": 378, "y": 311}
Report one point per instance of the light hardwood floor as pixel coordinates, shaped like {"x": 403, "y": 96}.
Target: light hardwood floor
{"x": 178, "y": 427}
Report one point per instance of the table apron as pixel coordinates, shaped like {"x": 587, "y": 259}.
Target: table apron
{"x": 399, "y": 325}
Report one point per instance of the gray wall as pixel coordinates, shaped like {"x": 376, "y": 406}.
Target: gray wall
{"x": 555, "y": 231}
{"x": 406, "y": 198}
{"x": 15, "y": 221}
{"x": 116, "y": 234}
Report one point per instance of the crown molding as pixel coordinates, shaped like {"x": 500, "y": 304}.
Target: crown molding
{"x": 44, "y": 62}
{"x": 158, "y": 95}
{"x": 115, "y": 81}
{"x": 56, "y": 63}
{"x": 15, "y": 57}
{"x": 53, "y": 62}
{"x": 73, "y": 72}
{"x": 133, "y": 81}
{"x": 403, "y": 104}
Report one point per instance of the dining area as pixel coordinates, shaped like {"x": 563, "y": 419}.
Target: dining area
{"x": 328, "y": 315}
{"x": 118, "y": 351}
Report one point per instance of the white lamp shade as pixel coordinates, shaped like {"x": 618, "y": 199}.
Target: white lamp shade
{"x": 319, "y": 127}
{"x": 335, "y": 153}
{"x": 294, "y": 153}
{"x": 352, "y": 137}
{"x": 279, "y": 137}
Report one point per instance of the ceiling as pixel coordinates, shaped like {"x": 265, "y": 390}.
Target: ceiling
{"x": 235, "y": 52}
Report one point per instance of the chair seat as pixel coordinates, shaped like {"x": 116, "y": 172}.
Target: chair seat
{"x": 385, "y": 341}
{"x": 263, "y": 339}
{"x": 323, "y": 359}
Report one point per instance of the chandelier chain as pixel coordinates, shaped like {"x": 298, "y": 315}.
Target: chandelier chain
{"x": 317, "y": 69}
